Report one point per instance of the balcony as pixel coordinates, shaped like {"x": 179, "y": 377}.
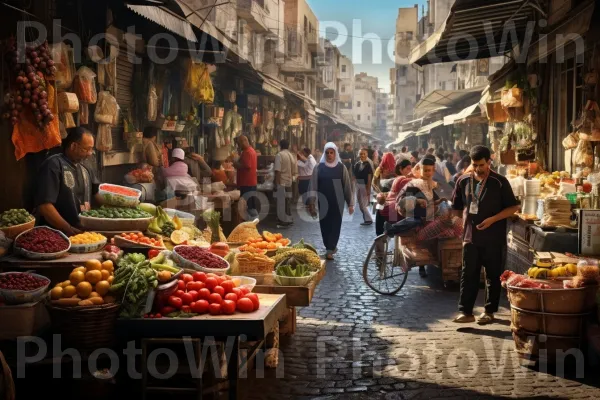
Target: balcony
{"x": 293, "y": 43}
{"x": 315, "y": 43}
{"x": 253, "y": 12}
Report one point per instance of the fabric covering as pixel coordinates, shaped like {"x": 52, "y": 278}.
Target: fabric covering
{"x": 328, "y": 146}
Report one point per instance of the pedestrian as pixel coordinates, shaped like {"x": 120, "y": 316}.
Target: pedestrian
{"x": 431, "y": 151}
{"x": 331, "y": 184}
{"x": 404, "y": 154}
{"x": 450, "y": 165}
{"x": 388, "y": 211}
{"x": 486, "y": 200}
{"x": 385, "y": 172}
{"x": 348, "y": 157}
{"x": 306, "y": 166}
{"x": 246, "y": 166}
{"x": 363, "y": 174}
{"x": 414, "y": 158}
{"x": 286, "y": 172}
{"x": 462, "y": 154}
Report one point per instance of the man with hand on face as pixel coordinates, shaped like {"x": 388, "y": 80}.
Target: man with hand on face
{"x": 485, "y": 199}
{"x": 65, "y": 186}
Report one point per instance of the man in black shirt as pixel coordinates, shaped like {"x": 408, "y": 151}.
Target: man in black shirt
{"x": 485, "y": 200}
{"x": 65, "y": 185}
{"x": 348, "y": 157}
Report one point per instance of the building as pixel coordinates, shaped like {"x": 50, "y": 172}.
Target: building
{"x": 304, "y": 48}
{"x": 329, "y": 81}
{"x": 364, "y": 109}
{"x": 346, "y": 74}
{"x": 381, "y": 113}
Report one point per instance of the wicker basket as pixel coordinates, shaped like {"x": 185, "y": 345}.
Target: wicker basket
{"x": 85, "y": 328}
{"x": 245, "y": 269}
{"x": 557, "y": 301}
{"x": 539, "y": 346}
{"x": 546, "y": 323}
{"x": 13, "y": 231}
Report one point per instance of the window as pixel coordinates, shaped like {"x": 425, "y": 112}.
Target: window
{"x": 344, "y": 68}
{"x": 358, "y": 104}
{"x": 305, "y": 25}
{"x": 443, "y": 85}
{"x": 409, "y": 35}
{"x": 310, "y": 29}
{"x": 358, "y": 117}
{"x": 369, "y": 117}
{"x": 343, "y": 88}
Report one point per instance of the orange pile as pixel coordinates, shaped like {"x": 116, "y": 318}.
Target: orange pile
{"x": 141, "y": 239}
{"x": 270, "y": 241}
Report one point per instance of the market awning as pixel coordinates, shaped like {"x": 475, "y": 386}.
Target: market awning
{"x": 441, "y": 99}
{"x": 476, "y": 29}
{"x": 460, "y": 117}
{"x": 167, "y": 19}
{"x": 272, "y": 85}
{"x": 425, "y": 130}
{"x": 402, "y": 136}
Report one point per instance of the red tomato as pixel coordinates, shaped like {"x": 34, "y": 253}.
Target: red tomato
{"x": 187, "y": 299}
{"x": 245, "y": 305}
{"x": 180, "y": 285}
{"x": 214, "y": 309}
{"x": 221, "y": 279}
{"x": 220, "y": 290}
{"x": 186, "y": 309}
{"x": 228, "y": 307}
{"x": 204, "y": 294}
{"x": 187, "y": 278}
{"x": 254, "y": 298}
{"x": 227, "y": 277}
{"x": 238, "y": 292}
{"x": 179, "y": 293}
{"x": 245, "y": 290}
{"x": 157, "y": 315}
{"x": 215, "y": 298}
{"x": 153, "y": 253}
{"x": 212, "y": 275}
{"x": 191, "y": 286}
{"x": 200, "y": 307}
{"x": 194, "y": 295}
{"x": 199, "y": 276}
{"x": 211, "y": 283}
{"x": 228, "y": 286}
{"x": 231, "y": 296}
{"x": 175, "y": 302}
{"x": 166, "y": 310}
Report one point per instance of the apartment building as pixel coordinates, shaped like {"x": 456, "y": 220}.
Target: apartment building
{"x": 346, "y": 95}
{"x": 329, "y": 82}
{"x": 364, "y": 108}
{"x": 304, "y": 48}
{"x": 381, "y": 112}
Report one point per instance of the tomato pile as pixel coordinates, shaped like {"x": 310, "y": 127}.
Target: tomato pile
{"x": 202, "y": 293}
{"x": 141, "y": 239}
{"x": 21, "y": 281}
{"x": 201, "y": 257}
{"x": 42, "y": 240}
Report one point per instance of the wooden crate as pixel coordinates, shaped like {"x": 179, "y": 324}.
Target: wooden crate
{"x": 451, "y": 264}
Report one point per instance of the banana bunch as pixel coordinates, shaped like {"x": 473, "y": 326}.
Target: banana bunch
{"x": 538, "y": 273}
{"x": 162, "y": 223}
{"x": 558, "y": 272}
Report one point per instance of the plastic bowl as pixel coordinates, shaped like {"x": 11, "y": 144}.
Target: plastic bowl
{"x": 11, "y": 296}
{"x": 293, "y": 281}
{"x": 88, "y": 248}
{"x": 187, "y": 219}
{"x": 187, "y": 264}
{"x": 119, "y": 200}
{"x": 244, "y": 281}
{"x": 42, "y": 256}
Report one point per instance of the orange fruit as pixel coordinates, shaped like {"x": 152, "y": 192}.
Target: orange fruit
{"x": 56, "y": 293}
{"x": 93, "y": 265}
{"x": 69, "y": 291}
{"x": 105, "y": 274}
{"x": 108, "y": 266}
{"x": 64, "y": 284}
{"x": 93, "y": 276}
{"x": 94, "y": 294}
{"x": 110, "y": 279}
{"x": 84, "y": 289}
{"x": 82, "y": 269}
{"x": 76, "y": 277}
{"x": 102, "y": 287}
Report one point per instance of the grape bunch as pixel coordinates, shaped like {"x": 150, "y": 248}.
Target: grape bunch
{"x": 29, "y": 88}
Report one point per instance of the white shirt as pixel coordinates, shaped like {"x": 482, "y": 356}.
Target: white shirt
{"x": 441, "y": 168}
{"x": 285, "y": 164}
{"x": 305, "y": 168}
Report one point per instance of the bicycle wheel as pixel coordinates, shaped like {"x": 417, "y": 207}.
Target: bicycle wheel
{"x": 385, "y": 270}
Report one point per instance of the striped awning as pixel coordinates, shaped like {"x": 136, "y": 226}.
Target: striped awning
{"x": 167, "y": 19}
{"x": 426, "y": 130}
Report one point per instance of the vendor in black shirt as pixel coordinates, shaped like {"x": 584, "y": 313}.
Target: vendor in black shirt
{"x": 65, "y": 186}
{"x": 485, "y": 200}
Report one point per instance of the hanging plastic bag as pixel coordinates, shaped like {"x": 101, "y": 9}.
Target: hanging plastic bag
{"x": 107, "y": 109}
{"x": 62, "y": 57}
{"x": 584, "y": 154}
{"x": 85, "y": 86}
{"x": 152, "y": 103}
{"x": 198, "y": 83}
{"x": 571, "y": 141}
{"x": 104, "y": 138}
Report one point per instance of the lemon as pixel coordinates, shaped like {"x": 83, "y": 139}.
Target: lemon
{"x": 179, "y": 236}
{"x": 102, "y": 287}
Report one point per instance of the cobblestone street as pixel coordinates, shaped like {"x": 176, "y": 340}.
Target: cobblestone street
{"x": 352, "y": 343}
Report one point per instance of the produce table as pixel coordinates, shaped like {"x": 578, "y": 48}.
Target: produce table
{"x": 254, "y": 326}
{"x": 296, "y": 296}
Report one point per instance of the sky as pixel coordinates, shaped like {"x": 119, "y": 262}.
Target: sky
{"x": 372, "y": 17}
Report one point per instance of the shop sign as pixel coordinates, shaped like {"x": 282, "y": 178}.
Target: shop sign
{"x": 295, "y": 121}
{"x": 589, "y": 232}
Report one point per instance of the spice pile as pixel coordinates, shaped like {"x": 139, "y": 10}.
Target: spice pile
{"x": 201, "y": 257}
{"x": 42, "y": 240}
{"x": 87, "y": 238}
{"x": 21, "y": 281}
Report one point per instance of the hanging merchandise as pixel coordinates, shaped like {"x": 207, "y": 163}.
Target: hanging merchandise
{"x": 198, "y": 83}
{"x": 584, "y": 154}
{"x": 152, "y": 103}
{"x": 67, "y": 105}
{"x": 85, "y": 88}
{"x": 62, "y": 56}
{"x": 230, "y": 95}
{"x": 106, "y": 115}
{"x": 512, "y": 97}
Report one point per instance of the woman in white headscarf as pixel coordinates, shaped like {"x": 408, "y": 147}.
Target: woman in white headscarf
{"x": 331, "y": 183}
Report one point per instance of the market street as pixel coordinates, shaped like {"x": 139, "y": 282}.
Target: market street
{"x": 352, "y": 343}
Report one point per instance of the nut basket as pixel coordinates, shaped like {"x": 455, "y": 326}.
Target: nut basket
{"x": 85, "y": 328}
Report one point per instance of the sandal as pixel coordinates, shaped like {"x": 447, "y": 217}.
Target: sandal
{"x": 485, "y": 319}
{"x": 464, "y": 319}
{"x": 329, "y": 255}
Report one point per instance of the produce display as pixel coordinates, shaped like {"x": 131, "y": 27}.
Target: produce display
{"x": 29, "y": 85}
{"x": 303, "y": 245}
{"x": 42, "y": 240}
{"x": 140, "y": 239}
{"x": 510, "y": 278}
{"x": 22, "y": 281}
{"x": 15, "y": 217}
{"x": 203, "y": 293}
{"x": 251, "y": 262}
{"x": 245, "y": 232}
{"x": 134, "y": 280}
{"x": 201, "y": 257}
{"x": 268, "y": 241}
{"x": 87, "y": 285}
{"x": 164, "y": 265}
{"x": 564, "y": 271}
{"x": 294, "y": 257}
{"x": 87, "y": 238}
{"x": 213, "y": 232}
{"x": 117, "y": 212}
{"x": 120, "y": 196}
{"x": 162, "y": 224}
{"x": 219, "y": 248}
{"x": 112, "y": 253}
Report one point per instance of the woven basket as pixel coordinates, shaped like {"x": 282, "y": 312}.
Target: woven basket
{"x": 12, "y": 232}
{"x": 244, "y": 269}
{"x": 557, "y": 301}
{"x": 85, "y": 328}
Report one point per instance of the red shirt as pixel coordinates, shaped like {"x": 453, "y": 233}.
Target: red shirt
{"x": 246, "y": 174}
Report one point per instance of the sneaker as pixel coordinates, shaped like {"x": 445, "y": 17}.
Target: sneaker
{"x": 464, "y": 319}
{"x": 485, "y": 319}
{"x": 422, "y": 272}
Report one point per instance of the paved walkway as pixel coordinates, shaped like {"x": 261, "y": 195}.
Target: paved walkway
{"x": 354, "y": 344}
